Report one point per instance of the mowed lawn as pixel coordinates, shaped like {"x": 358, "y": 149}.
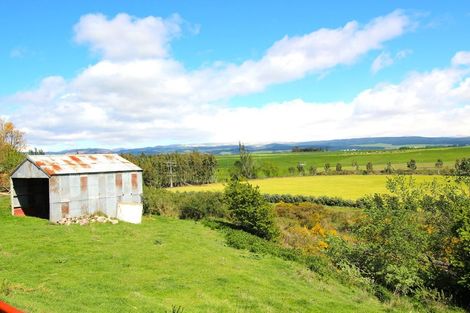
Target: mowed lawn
{"x": 151, "y": 267}
{"x": 343, "y": 186}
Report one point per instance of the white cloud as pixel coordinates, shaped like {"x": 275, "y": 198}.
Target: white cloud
{"x": 127, "y": 37}
{"x": 137, "y": 94}
{"x": 382, "y": 60}
{"x": 385, "y": 59}
{"x": 461, "y": 58}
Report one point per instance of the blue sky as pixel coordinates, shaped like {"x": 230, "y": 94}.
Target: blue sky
{"x": 134, "y": 73}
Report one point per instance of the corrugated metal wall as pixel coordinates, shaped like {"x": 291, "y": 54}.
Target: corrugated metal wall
{"x": 75, "y": 195}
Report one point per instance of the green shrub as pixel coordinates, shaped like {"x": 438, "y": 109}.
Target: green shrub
{"x": 159, "y": 202}
{"x": 186, "y": 205}
{"x": 324, "y": 200}
{"x": 199, "y": 205}
{"x": 239, "y": 239}
{"x": 250, "y": 210}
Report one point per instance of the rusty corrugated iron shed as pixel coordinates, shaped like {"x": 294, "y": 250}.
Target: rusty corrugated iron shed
{"x": 82, "y": 164}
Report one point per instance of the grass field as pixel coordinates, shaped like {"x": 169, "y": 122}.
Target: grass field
{"x": 345, "y": 186}
{"x": 153, "y": 266}
{"x": 425, "y": 158}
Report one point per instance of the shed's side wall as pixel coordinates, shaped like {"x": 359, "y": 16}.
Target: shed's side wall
{"x": 76, "y": 195}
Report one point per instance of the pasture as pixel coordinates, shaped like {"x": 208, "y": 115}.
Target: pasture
{"x": 425, "y": 158}
{"x": 163, "y": 262}
{"x": 343, "y": 186}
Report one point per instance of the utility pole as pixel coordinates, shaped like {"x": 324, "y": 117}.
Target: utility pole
{"x": 170, "y": 165}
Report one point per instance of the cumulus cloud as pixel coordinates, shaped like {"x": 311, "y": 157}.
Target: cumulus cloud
{"x": 127, "y": 37}
{"x": 138, "y": 94}
{"x": 461, "y": 58}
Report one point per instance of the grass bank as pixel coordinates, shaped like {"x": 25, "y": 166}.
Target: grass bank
{"x": 151, "y": 267}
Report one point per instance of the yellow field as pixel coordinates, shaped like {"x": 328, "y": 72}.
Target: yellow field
{"x": 347, "y": 186}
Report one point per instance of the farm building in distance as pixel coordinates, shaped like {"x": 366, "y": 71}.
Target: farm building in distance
{"x": 60, "y": 186}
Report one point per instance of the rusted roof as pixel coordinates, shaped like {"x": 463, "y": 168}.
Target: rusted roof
{"x": 82, "y": 163}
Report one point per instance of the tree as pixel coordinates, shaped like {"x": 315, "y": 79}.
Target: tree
{"x": 250, "y": 210}
{"x": 35, "y": 151}
{"x": 339, "y": 167}
{"x": 301, "y": 168}
{"x": 439, "y": 164}
{"x": 369, "y": 167}
{"x": 291, "y": 170}
{"x": 11, "y": 136}
{"x": 411, "y": 165}
{"x": 245, "y": 166}
{"x": 12, "y": 143}
{"x": 355, "y": 165}
{"x": 327, "y": 167}
{"x": 269, "y": 169}
{"x": 312, "y": 170}
{"x": 462, "y": 171}
{"x": 389, "y": 168}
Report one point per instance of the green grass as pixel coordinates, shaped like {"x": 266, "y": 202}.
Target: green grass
{"x": 345, "y": 186}
{"x": 425, "y": 158}
{"x": 153, "y": 266}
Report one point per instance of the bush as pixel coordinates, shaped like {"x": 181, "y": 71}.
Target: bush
{"x": 324, "y": 200}
{"x": 199, "y": 205}
{"x": 186, "y": 205}
{"x": 159, "y": 202}
{"x": 250, "y": 210}
{"x": 239, "y": 239}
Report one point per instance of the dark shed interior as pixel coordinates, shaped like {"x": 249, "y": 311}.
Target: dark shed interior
{"x": 33, "y": 196}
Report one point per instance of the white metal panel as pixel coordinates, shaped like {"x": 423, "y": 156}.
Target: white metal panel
{"x": 64, "y": 188}
{"x": 93, "y": 187}
{"x": 28, "y": 170}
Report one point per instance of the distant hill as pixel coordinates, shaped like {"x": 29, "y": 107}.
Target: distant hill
{"x": 375, "y": 143}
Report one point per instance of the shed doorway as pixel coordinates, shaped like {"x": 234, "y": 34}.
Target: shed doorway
{"x": 33, "y": 196}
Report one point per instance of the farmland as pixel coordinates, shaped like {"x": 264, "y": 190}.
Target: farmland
{"x": 425, "y": 158}
{"x": 152, "y": 267}
{"x": 343, "y": 186}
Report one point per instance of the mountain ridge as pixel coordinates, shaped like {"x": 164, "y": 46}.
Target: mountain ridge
{"x": 367, "y": 143}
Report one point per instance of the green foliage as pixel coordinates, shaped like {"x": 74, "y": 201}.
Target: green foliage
{"x": 339, "y": 167}
{"x": 199, "y": 205}
{"x": 462, "y": 171}
{"x": 291, "y": 170}
{"x": 250, "y": 210}
{"x": 160, "y": 202}
{"x": 312, "y": 170}
{"x": 10, "y": 158}
{"x": 269, "y": 169}
{"x": 189, "y": 168}
{"x": 439, "y": 164}
{"x": 324, "y": 200}
{"x": 411, "y": 164}
{"x": 186, "y": 205}
{"x": 369, "y": 167}
{"x": 327, "y": 167}
{"x": 388, "y": 169}
{"x": 240, "y": 239}
{"x": 416, "y": 237}
{"x": 301, "y": 168}
{"x": 245, "y": 166}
